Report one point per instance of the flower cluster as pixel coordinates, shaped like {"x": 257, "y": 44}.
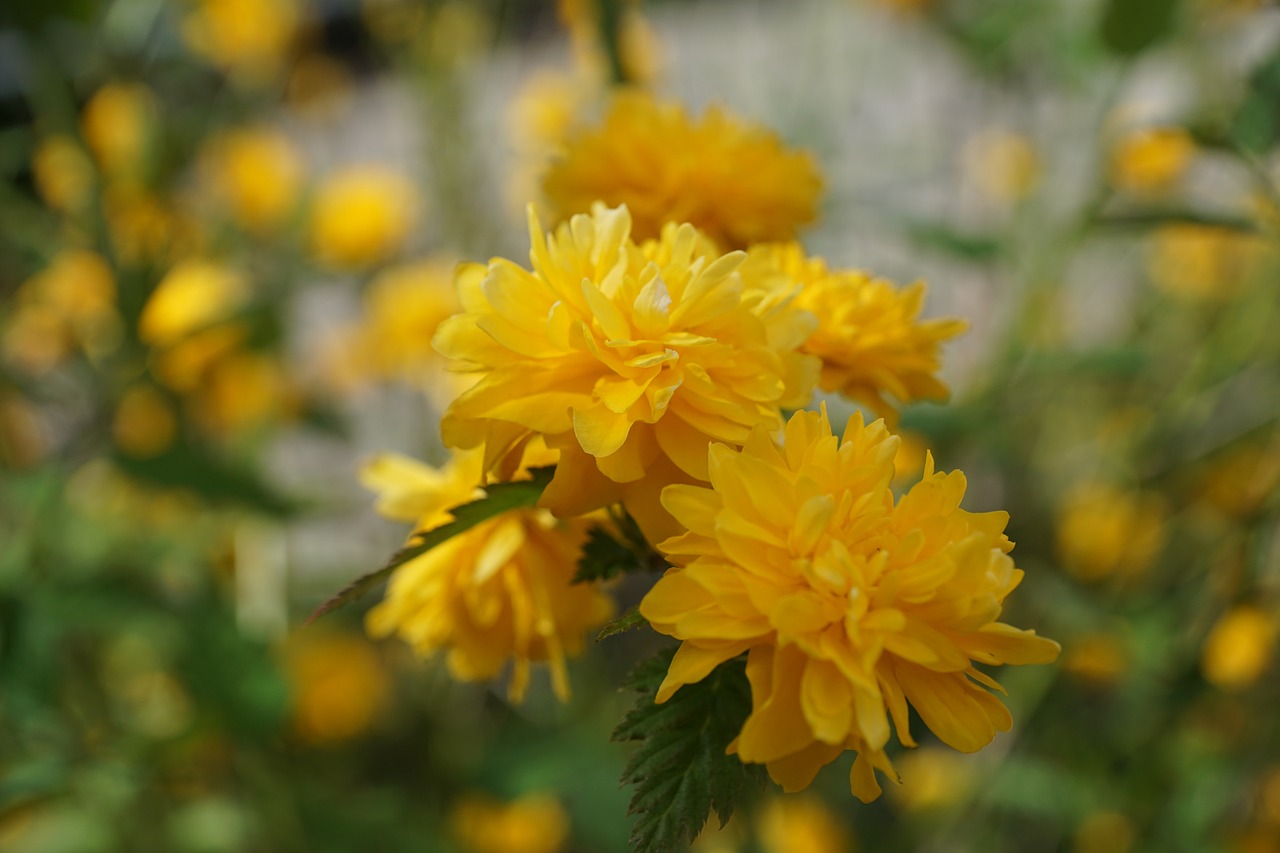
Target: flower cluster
{"x": 869, "y": 336}
{"x": 666, "y": 167}
{"x": 850, "y": 605}
{"x": 630, "y": 359}
{"x": 499, "y": 591}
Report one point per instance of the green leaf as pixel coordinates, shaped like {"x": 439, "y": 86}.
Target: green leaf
{"x": 939, "y": 236}
{"x": 628, "y": 620}
{"x": 1256, "y": 125}
{"x": 499, "y": 498}
{"x": 606, "y": 555}
{"x": 680, "y": 771}
{"x": 1131, "y": 26}
{"x": 214, "y": 478}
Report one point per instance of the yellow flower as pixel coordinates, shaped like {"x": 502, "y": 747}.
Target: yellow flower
{"x": 1239, "y": 647}
{"x": 870, "y": 337}
{"x": 243, "y": 389}
{"x": 734, "y": 182}
{"x": 117, "y": 123}
{"x": 801, "y": 825}
{"x": 339, "y": 685}
{"x": 404, "y": 306}
{"x": 1152, "y": 159}
{"x": 193, "y": 295}
{"x": 1105, "y": 832}
{"x": 256, "y": 174}
{"x": 69, "y": 302}
{"x": 1003, "y": 164}
{"x": 499, "y": 591}
{"x": 62, "y": 173}
{"x": 539, "y": 119}
{"x": 849, "y": 605}
{"x": 1099, "y": 659}
{"x": 1242, "y": 481}
{"x": 145, "y": 229}
{"x": 938, "y": 779}
{"x": 362, "y": 215}
{"x": 629, "y": 359}
{"x": 533, "y": 823}
{"x": 1204, "y": 262}
{"x": 1104, "y": 531}
{"x": 144, "y": 424}
{"x": 246, "y": 38}
{"x": 24, "y": 438}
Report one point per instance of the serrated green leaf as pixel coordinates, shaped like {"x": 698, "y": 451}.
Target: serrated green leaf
{"x": 499, "y": 498}
{"x": 603, "y": 557}
{"x": 628, "y": 620}
{"x": 680, "y": 771}
{"x": 617, "y": 549}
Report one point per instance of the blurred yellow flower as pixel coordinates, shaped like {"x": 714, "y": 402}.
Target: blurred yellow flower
{"x": 532, "y": 823}
{"x": 1105, "y": 832}
{"x": 500, "y": 591}
{"x": 541, "y": 114}
{"x": 1099, "y": 659}
{"x": 23, "y": 439}
{"x": 70, "y": 302}
{"x": 339, "y": 684}
{"x": 932, "y": 778}
{"x": 850, "y": 606}
{"x": 870, "y": 337}
{"x": 243, "y": 389}
{"x": 62, "y": 173}
{"x": 256, "y": 174}
{"x": 403, "y": 306}
{"x": 1151, "y": 159}
{"x": 193, "y": 295}
{"x": 81, "y": 287}
{"x": 1003, "y": 164}
{"x": 36, "y": 339}
{"x": 801, "y": 825}
{"x": 144, "y": 424}
{"x": 1104, "y": 531}
{"x": 118, "y": 123}
{"x": 248, "y": 39}
{"x": 361, "y": 215}
{"x": 1205, "y": 261}
{"x": 145, "y": 229}
{"x": 1239, "y": 647}
{"x": 1243, "y": 480}
{"x": 665, "y": 167}
{"x": 629, "y": 359}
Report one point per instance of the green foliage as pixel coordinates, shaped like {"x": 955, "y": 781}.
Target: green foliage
{"x": 680, "y": 771}
{"x": 1131, "y": 26}
{"x": 615, "y": 550}
{"x": 1256, "y": 125}
{"x": 498, "y": 499}
{"x": 628, "y": 620}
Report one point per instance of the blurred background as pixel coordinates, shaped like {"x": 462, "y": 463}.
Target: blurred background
{"x": 227, "y": 231}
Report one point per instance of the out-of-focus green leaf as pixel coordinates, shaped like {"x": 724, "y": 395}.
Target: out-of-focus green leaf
{"x": 212, "y": 478}
{"x": 936, "y": 235}
{"x": 1131, "y": 26}
{"x": 680, "y": 771}
{"x": 1256, "y": 124}
{"x": 498, "y": 499}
